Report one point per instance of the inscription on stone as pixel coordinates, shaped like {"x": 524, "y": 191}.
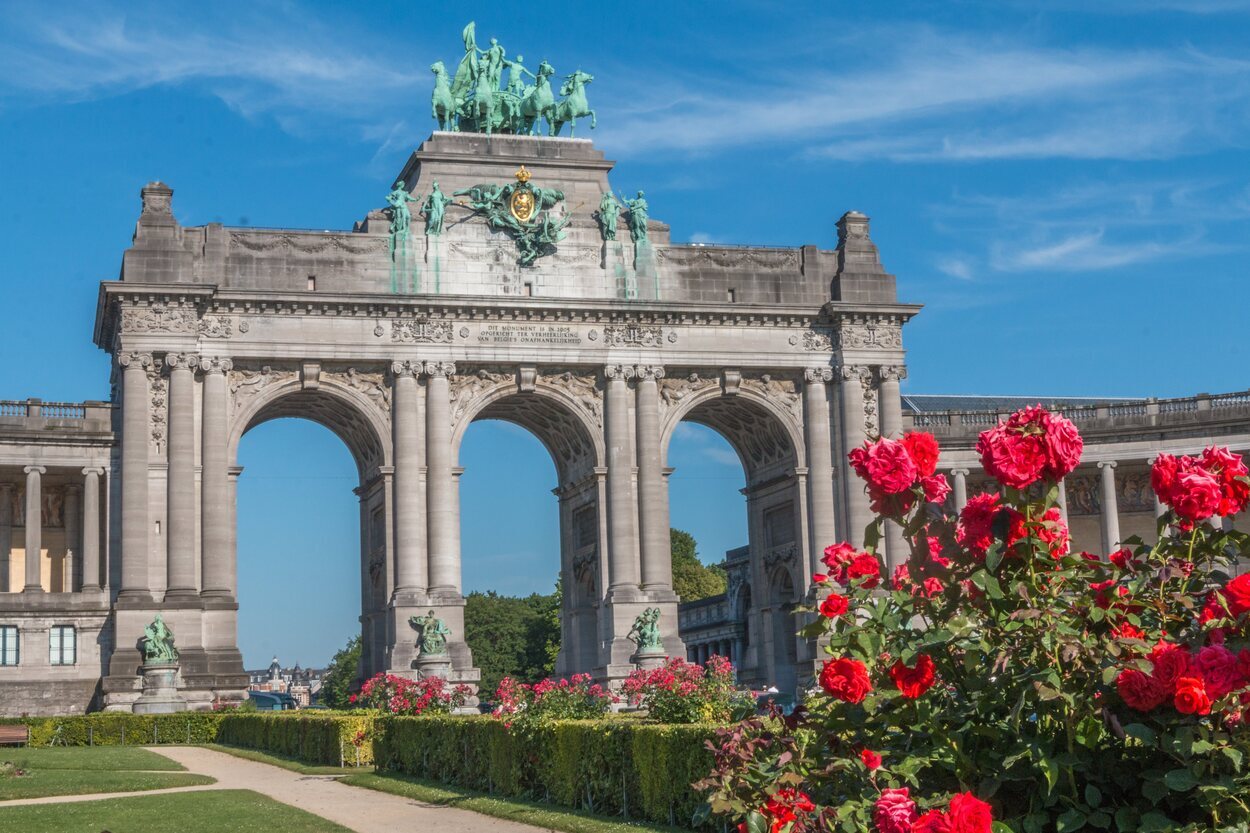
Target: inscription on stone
{"x": 528, "y": 334}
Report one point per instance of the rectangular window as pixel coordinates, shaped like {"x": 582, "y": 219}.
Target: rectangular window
{"x": 9, "y": 645}
{"x": 62, "y": 645}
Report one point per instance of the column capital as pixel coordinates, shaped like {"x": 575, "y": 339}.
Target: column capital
{"x": 814, "y": 375}
{"x": 960, "y": 472}
{"x": 143, "y": 360}
{"x": 96, "y": 470}
{"x": 1106, "y": 464}
{"x": 35, "y": 470}
{"x": 216, "y": 364}
{"x": 891, "y": 372}
{"x": 862, "y": 372}
{"x": 439, "y": 369}
{"x": 653, "y": 372}
{"x": 618, "y": 371}
{"x": 412, "y": 369}
{"x": 185, "y": 361}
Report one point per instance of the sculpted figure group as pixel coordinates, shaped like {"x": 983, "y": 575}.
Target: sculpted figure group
{"x": 473, "y": 101}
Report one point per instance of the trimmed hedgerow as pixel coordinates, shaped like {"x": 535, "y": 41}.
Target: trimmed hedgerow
{"x": 328, "y": 739}
{"x": 120, "y": 729}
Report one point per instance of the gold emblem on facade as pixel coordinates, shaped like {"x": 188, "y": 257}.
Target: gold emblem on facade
{"x": 521, "y": 204}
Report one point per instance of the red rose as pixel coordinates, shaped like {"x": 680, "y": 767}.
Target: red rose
{"x": 1139, "y": 691}
{"x": 969, "y": 814}
{"x": 1171, "y": 662}
{"x": 837, "y": 556}
{"x": 934, "y": 821}
{"x": 834, "y": 606}
{"x": 924, "y": 451}
{"x": 871, "y": 759}
{"x": 1191, "y": 696}
{"x": 885, "y": 465}
{"x": 1163, "y": 476}
{"x": 819, "y": 578}
{"x": 1229, "y": 469}
{"x": 845, "y": 679}
{"x": 932, "y": 586}
{"x": 894, "y": 812}
{"x": 1063, "y": 446}
{"x": 913, "y": 682}
{"x": 901, "y": 579}
{"x": 936, "y": 489}
{"x": 1195, "y": 495}
{"x": 1014, "y": 451}
{"x": 1219, "y": 670}
{"x": 975, "y": 530}
{"x": 864, "y": 566}
{"x": 1122, "y": 558}
{"x": 1237, "y": 595}
{"x": 1126, "y": 630}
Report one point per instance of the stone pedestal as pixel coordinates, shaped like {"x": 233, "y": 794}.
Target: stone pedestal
{"x": 433, "y": 665}
{"x": 440, "y": 665}
{"x": 160, "y": 691}
{"x": 650, "y": 659}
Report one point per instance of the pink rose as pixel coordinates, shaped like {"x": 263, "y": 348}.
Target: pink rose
{"x": 935, "y": 488}
{"x": 885, "y": 465}
{"x": 1195, "y": 495}
{"x": 894, "y": 812}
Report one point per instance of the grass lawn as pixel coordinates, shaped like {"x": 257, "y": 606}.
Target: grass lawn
{"x": 80, "y": 770}
{"x": 512, "y": 809}
{"x": 293, "y": 764}
{"x": 213, "y": 811}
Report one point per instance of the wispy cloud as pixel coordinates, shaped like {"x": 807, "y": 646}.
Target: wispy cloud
{"x": 956, "y": 267}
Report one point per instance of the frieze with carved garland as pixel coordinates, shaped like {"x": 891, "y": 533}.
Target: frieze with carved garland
{"x": 308, "y": 243}
{"x": 422, "y": 330}
{"x": 633, "y": 335}
{"x": 725, "y": 258}
{"x": 870, "y": 333}
{"x": 170, "y": 319}
{"x": 814, "y": 340}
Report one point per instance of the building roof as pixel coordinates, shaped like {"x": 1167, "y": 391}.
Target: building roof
{"x": 925, "y": 403}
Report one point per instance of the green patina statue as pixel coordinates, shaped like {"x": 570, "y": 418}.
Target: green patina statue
{"x": 401, "y": 216}
{"x": 432, "y": 634}
{"x": 646, "y": 631}
{"x": 637, "y": 217}
{"x": 435, "y": 204}
{"x": 607, "y": 215}
{"x": 472, "y": 100}
{"x": 523, "y": 211}
{"x": 158, "y": 644}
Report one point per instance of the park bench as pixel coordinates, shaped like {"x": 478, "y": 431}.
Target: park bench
{"x": 18, "y": 734}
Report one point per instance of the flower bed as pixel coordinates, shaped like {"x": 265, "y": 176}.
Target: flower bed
{"x": 575, "y": 698}
{"x": 686, "y": 692}
{"x": 998, "y": 675}
{"x": 400, "y": 695}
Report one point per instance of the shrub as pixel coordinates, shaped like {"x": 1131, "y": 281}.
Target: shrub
{"x": 999, "y": 675}
{"x": 686, "y": 692}
{"x": 400, "y": 695}
{"x": 120, "y": 728}
{"x": 328, "y": 739}
{"x": 575, "y": 698}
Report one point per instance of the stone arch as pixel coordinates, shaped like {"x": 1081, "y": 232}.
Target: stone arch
{"x": 361, "y": 420}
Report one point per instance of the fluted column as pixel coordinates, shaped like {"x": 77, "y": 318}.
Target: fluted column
{"x": 217, "y": 553}
{"x": 820, "y": 499}
{"x": 1110, "y": 509}
{"x": 622, "y": 545}
{"x": 91, "y": 528}
{"x": 34, "y": 527}
{"x": 136, "y": 432}
{"x": 657, "y": 561}
{"x": 960, "y": 488}
{"x": 854, "y": 379}
{"x": 444, "y": 566}
{"x": 73, "y": 537}
{"x": 180, "y": 484}
{"x": 890, "y": 402}
{"x": 6, "y": 534}
{"x": 411, "y": 575}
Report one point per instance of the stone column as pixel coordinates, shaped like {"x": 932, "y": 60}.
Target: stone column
{"x": 1110, "y": 510}
{"x": 890, "y": 403}
{"x": 91, "y": 529}
{"x": 622, "y": 545}
{"x": 859, "y": 515}
{"x": 180, "y": 486}
{"x": 136, "y": 433}
{"x": 217, "y": 555}
{"x": 1062, "y": 500}
{"x": 820, "y": 501}
{"x": 6, "y": 534}
{"x": 960, "y": 488}
{"x": 1160, "y": 508}
{"x": 73, "y": 538}
{"x": 410, "y": 558}
{"x": 34, "y": 527}
{"x": 657, "y": 561}
{"x": 444, "y": 569}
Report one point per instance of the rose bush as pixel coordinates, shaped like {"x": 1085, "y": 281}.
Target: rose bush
{"x": 1003, "y": 681}
{"x": 400, "y": 695}
{"x": 686, "y": 692}
{"x": 575, "y": 698}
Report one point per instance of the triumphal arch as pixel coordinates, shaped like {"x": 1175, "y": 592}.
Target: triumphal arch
{"x": 501, "y": 278}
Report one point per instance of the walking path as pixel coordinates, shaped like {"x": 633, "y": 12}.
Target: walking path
{"x": 356, "y": 808}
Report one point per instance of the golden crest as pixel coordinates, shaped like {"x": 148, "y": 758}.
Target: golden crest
{"x": 522, "y": 204}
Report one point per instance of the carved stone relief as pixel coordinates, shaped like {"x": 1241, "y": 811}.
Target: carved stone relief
{"x": 216, "y": 326}
{"x": 308, "y": 243}
{"x": 814, "y": 340}
{"x": 468, "y": 386}
{"x": 871, "y": 333}
{"x": 730, "y": 258}
{"x": 368, "y": 382}
{"x": 422, "y": 329}
{"x": 159, "y": 388}
{"x": 633, "y": 335}
{"x": 674, "y": 389}
{"x": 159, "y": 320}
{"x": 580, "y": 385}
{"x": 782, "y": 391}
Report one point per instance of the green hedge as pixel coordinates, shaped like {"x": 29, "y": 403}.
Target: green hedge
{"x": 312, "y": 738}
{"x": 121, "y": 728}
{"x": 611, "y": 767}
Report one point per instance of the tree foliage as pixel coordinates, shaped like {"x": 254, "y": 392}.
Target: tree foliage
{"x": 692, "y": 579}
{"x": 344, "y": 670}
{"x": 512, "y": 636}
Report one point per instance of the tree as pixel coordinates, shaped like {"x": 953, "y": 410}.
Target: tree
{"x": 344, "y": 670}
{"x": 692, "y": 579}
{"x": 512, "y": 636}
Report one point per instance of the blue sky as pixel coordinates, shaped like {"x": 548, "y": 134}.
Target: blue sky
{"x": 1064, "y": 185}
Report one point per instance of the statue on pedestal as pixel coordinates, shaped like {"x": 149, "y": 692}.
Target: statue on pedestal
{"x": 158, "y": 644}
{"x": 432, "y": 634}
{"x": 401, "y": 216}
{"x": 646, "y": 632}
{"x": 637, "y": 217}
{"x": 435, "y": 204}
{"x": 607, "y": 215}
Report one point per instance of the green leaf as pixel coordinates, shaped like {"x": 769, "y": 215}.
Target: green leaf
{"x": 1093, "y": 796}
{"x": 1180, "y": 780}
{"x": 756, "y": 823}
{"x": 1126, "y": 819}
{"x": 1073, "y": 819}
{"x": 1233, "y": 755}
{"x": 1156, "y": 821}
{"x": 1099, "y": 819}
{"x": 994, "y": 556}
{"x": 1143, "y": 733}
